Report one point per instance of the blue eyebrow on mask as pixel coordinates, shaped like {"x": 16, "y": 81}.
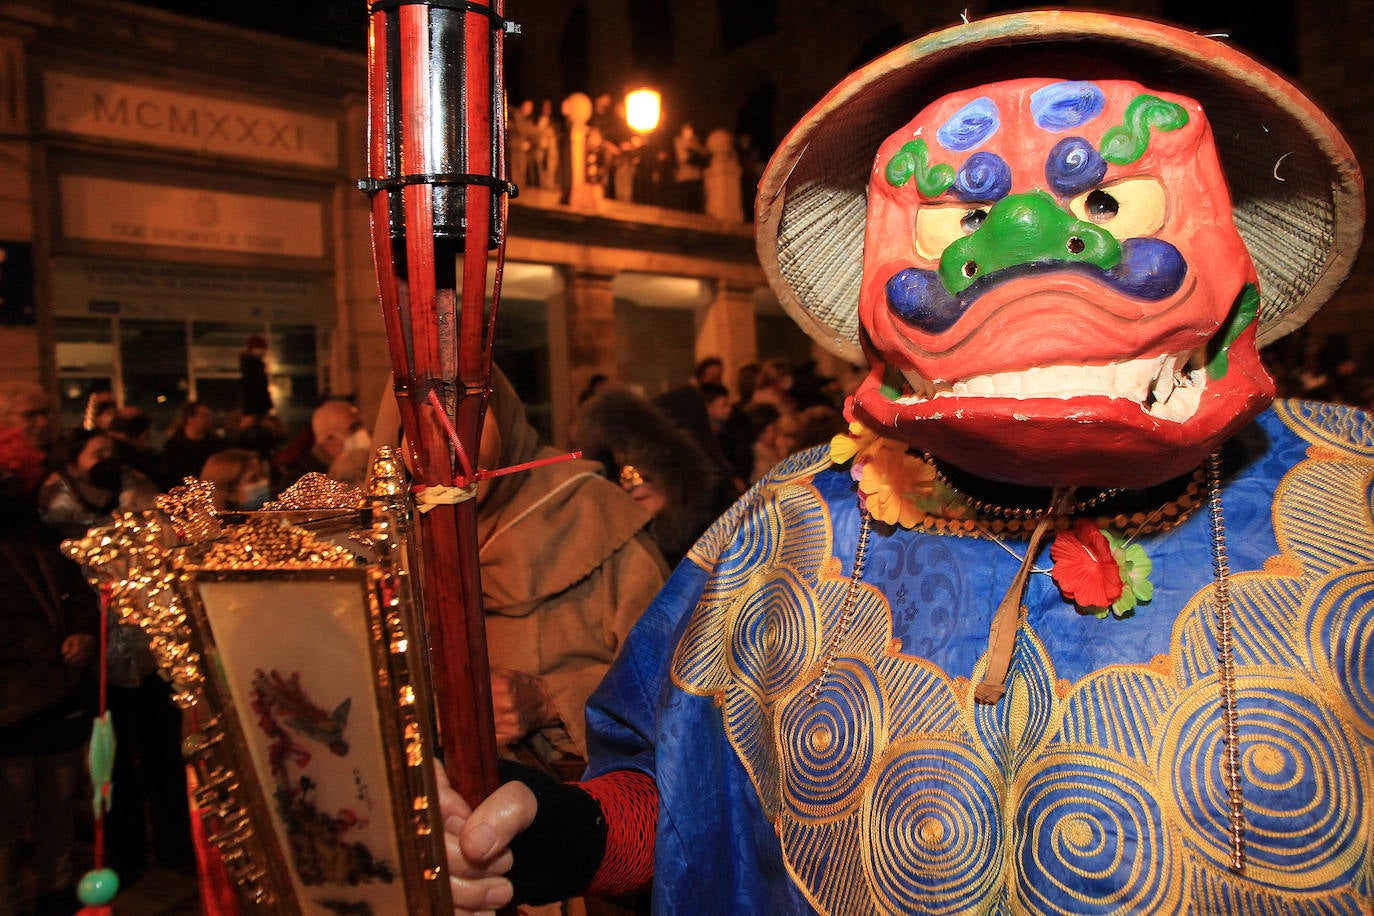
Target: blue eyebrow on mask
{"x": 970, "y": 126}
{"x": 1064, "y": 106}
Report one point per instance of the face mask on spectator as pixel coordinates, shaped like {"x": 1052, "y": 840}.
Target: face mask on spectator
{"x": 255, "y": 496}
{"x": 357, "y": 439}
{"x": 106, "y": 474}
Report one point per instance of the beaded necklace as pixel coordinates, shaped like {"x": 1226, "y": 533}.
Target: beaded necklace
{"x": 1018, "y": 521}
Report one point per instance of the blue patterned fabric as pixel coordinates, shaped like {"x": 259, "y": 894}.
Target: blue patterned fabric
{"x": 1094, "y": 786}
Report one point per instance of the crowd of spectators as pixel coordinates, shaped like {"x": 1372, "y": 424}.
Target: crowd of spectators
{"x": 57, "y": 484}
{"x": 1319, "y": 368}
{"x": 51, "y": 487}
{"x": 682, "y": 457}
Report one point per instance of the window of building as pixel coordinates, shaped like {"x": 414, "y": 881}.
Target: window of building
{"x": 657, "y": 314}
{"x": 87, "y": 362}
{"x": 154, "y": 363}
{"x": 158, "y": 335}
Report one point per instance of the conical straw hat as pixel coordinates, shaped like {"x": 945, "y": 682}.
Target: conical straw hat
{"x": 1295, "y": 184}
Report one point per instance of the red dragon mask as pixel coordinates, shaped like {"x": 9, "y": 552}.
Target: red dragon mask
{"x": 1052, "y": 270}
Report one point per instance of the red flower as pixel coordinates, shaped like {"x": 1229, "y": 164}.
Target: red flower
{"x": 1084, "y": 568}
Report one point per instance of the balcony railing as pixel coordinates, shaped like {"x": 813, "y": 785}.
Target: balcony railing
{"x": 588, "y": 160}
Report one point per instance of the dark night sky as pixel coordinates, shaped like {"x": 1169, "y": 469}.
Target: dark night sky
{"x": 327, "y": 22}
{"x": 343, "y": 23}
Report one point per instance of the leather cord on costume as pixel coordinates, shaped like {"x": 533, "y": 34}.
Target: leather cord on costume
{"x": 557, "y": 856}
{"x": 1007, "y": 619}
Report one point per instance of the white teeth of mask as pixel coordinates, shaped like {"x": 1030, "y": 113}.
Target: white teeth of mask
{"x": 1165, "y": 385}
{"x": 921, "y": 388}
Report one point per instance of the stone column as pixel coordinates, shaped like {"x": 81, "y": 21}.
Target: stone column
{"x": 727, "y": 330}
{"x": 590, "y": 316}
{"x": 722, "y": 178}
{"x": 577, "y": 108}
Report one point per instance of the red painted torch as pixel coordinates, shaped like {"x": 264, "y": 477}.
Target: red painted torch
{"x": 437, "y": 179}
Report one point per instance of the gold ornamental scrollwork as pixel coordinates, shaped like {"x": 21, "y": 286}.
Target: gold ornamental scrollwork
{"x": 262, "y": 621}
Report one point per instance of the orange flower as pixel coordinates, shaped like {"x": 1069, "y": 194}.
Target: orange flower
{"x": 1084, "y": 569}
{"x": 893, "y": 483}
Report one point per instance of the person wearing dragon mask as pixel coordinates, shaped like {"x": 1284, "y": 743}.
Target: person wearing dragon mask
{"x": 1072, "y": 619}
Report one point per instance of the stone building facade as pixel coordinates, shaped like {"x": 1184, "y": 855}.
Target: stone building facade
{"x": 172, "y": 189}
{"x": 173, "y": 186}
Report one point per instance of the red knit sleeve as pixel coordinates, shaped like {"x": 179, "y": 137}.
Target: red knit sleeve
{"x": 629, "y": 801}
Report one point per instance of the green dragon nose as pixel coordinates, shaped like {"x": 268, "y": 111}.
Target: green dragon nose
{"x": 1026, "y": 230}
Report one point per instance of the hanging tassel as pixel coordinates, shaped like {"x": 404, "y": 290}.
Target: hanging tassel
{"x": 99, "y": 885}
{"x": 217, "y": 896}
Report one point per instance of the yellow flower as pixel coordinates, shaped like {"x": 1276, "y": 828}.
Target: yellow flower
{"x": 894, "y": 484}
{"x": 846, "y": 446}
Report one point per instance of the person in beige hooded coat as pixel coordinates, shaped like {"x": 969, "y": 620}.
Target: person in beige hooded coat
{"x": 567, "y": 568}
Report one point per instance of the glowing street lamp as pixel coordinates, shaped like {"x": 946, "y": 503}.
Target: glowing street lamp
{"x": 642, "y": 110}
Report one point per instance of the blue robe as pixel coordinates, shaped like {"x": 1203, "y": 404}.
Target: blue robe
{"x": 1094, "y": 786}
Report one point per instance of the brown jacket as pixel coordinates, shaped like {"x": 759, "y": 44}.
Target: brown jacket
{"x": 566, "y": 568}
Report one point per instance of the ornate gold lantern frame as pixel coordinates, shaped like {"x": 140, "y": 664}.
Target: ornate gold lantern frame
{"x": 293, "y": 641}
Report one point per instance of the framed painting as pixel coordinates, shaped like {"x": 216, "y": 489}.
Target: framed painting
{"x": 295, "y": 647}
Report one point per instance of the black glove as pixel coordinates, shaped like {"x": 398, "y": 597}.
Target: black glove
{"x": 559, "y": 853}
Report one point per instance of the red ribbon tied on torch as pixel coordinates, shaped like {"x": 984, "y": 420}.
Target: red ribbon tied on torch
{"x": 437, "y": 178}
